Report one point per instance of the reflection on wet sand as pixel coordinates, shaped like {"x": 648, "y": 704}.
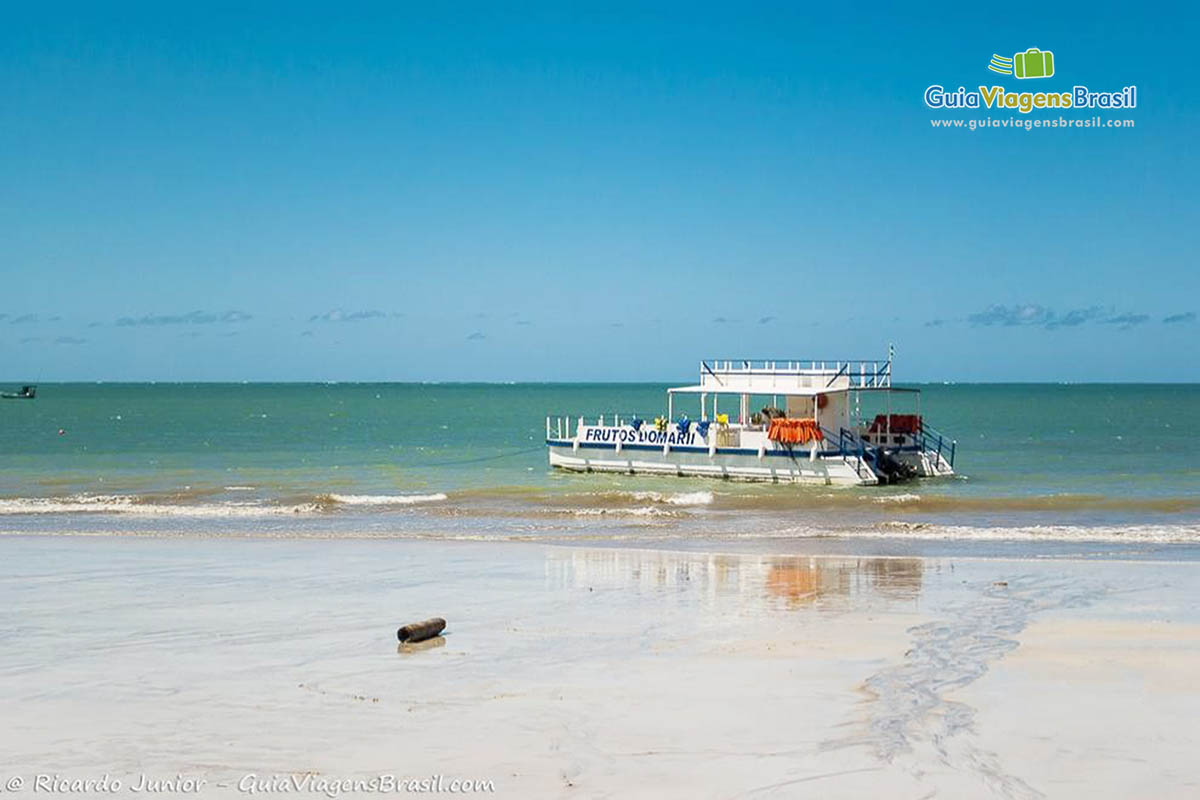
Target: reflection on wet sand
{"x": 803, "y": 580}
{"x": 751, "y": 579}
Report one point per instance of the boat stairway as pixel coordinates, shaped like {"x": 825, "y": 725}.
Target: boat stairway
{"x": 938, "y": 450}
{"x": 856, "y": 454}
{"x": 938, "y": 465}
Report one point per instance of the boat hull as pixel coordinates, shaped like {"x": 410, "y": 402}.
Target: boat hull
{"x": 774, "y": 466}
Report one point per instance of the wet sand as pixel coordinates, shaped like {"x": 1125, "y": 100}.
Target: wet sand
{"x": 597, "y": 672}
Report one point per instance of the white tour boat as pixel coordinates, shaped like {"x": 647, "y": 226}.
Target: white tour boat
{"x": 817, "y": 434}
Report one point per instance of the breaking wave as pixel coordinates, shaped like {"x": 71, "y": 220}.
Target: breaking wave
{"x": 1131, "y": 534}
{"x": 169, "y": 505}
{"x": 386, "y": 499}
{"x": 135, "y": 505}
{"x": 730, "y": 513}
{"x": 640, "y": 511}
{"x": 677, "y": 499}
{"x": 739, "y": 497}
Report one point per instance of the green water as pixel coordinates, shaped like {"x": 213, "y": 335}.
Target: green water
{"x": 1083, "y": 454}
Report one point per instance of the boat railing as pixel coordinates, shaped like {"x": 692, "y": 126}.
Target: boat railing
{"x": 862, "y": 373}
{"x": 933, "y": 440}
{"x": 565, "y": 426}
{"x": 851, "y": 444}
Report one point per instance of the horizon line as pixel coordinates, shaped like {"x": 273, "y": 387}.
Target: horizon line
{"x": 462, "y": 382}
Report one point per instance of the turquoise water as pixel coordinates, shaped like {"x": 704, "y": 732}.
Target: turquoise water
{"x": 443, "y": 457}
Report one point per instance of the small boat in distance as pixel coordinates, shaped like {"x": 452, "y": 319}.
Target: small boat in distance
{"x": 26, "y": 393}
{"x": 811, "y": 432}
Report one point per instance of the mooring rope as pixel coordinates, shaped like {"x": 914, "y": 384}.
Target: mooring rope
{"x": 483, "y": 458}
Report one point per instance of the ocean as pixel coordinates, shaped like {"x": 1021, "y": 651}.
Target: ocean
{"x": 1036, "y": 462}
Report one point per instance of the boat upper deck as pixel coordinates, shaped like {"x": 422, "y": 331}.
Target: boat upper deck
{"x": 790, "y": 377}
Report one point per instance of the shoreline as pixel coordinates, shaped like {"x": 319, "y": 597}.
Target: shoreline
{"x": 846, "y": 546}
{"x": 570, "y": 669}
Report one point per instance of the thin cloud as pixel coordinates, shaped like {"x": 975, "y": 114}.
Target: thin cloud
{"x": 31, "y": 339}
{"x": 1076, "y": 317}
{"x": 1039, "y": 316}
{"x": 935, "y": 323}
{"x": 1174, "y": 319}
{"x": 338, "y": 315}
{"x": 476, "y": 336}
{"x": 1011, "y": 316}
{"x": 24, "y": 319}
{"x": 191, "y": 318}
{"x": 70, "y": 340}
{"x": 1126, "y": 321}
{"x": 765, "y": 320}
{"x": 306, "y": 333}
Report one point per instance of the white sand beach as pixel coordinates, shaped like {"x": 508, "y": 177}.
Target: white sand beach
{"x": 594, "y": 672}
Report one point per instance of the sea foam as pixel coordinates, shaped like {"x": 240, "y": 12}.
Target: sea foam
{"x": 387, "y": 499}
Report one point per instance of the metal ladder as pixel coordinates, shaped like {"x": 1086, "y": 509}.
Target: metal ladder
{"x": 855, "y": 452}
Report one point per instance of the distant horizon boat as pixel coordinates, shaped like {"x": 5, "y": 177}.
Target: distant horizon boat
{"x": 817, "y": 436}
{"x": 25, "y": 393}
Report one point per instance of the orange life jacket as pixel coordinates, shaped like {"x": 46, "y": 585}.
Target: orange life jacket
{"x": 794, "y": 431}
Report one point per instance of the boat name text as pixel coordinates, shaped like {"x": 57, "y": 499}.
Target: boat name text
{"x": 630, "y": 436}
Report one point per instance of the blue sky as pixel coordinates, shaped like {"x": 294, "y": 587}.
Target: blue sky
{"x": 561, "y": 192}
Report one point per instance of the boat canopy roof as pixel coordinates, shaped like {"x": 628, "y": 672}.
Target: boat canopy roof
{"x": 788, "y": 377}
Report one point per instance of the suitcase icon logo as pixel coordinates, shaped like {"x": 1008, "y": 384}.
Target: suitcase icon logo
{"x": 1033, "y": 63}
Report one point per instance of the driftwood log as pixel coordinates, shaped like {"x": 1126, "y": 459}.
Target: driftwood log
{"x": 420, "y": 631}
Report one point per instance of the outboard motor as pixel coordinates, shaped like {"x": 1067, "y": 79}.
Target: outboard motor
{"x": 893, "y": 469}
